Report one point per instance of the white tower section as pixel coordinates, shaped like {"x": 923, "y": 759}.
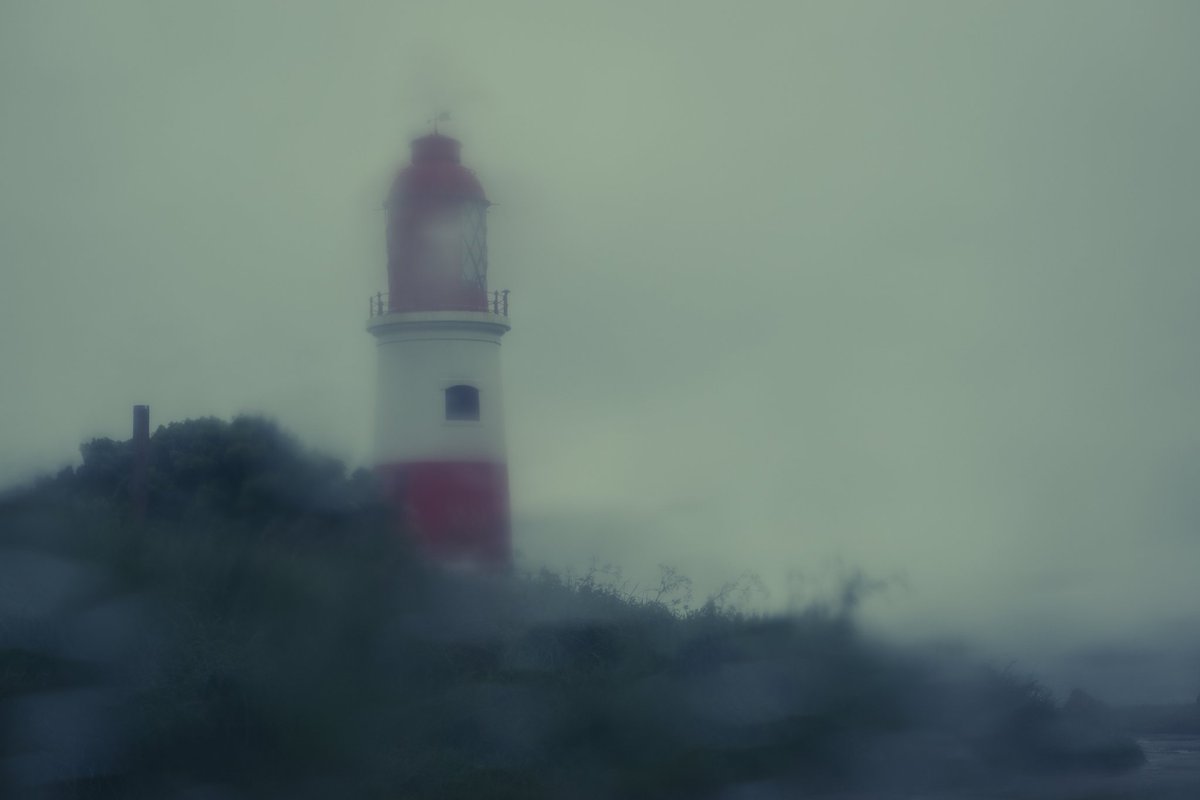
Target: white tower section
{"x": 423, "y": 358}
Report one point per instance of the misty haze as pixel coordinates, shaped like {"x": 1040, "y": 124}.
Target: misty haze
{"x": 862, "y": 329}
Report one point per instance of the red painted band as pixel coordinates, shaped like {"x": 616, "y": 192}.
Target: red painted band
{"x": 455, "y": 510}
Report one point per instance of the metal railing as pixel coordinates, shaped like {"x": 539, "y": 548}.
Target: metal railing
{"x": 496, "y": 302}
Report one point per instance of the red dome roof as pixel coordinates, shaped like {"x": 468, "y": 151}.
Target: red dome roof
{"x": 436, "y": 172}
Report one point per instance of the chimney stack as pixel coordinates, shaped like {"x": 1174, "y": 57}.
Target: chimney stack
{"x": 141, "y": 462}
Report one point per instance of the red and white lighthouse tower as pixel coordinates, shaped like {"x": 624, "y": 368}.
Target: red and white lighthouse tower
{"x": 439, "y": 419}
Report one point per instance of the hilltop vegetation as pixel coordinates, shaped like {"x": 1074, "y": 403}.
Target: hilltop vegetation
{"x": 265, "y": 633}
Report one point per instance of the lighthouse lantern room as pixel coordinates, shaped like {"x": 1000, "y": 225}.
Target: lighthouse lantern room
{"x": 439, "y": 419}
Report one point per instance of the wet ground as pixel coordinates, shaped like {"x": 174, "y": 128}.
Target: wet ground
{"x": 1171, "y": 772}
{"x": 1172, "y": 767}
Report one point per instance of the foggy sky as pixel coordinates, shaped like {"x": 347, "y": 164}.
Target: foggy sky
{"x": 796, "y": 287}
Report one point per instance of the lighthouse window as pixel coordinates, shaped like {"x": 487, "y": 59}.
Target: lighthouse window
{"x": 462, "y": 403}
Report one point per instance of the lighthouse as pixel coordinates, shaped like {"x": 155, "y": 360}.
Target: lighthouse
{"x": 439, "y": 416}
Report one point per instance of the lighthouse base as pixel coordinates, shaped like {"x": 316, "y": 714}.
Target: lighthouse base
{"x": 455, "y": 511}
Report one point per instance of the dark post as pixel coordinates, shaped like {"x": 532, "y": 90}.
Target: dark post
{"x": 141, "y": 462}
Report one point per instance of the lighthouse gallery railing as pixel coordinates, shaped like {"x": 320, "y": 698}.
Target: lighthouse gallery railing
{"x": 496, "y": 302}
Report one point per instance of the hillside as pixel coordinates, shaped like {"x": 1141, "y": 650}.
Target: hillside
{"x": 266, "y": 633}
